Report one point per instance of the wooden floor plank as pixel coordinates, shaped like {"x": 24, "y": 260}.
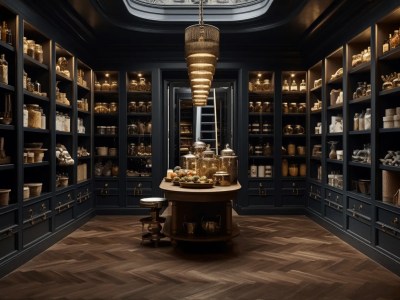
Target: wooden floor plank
{"x": 274, "y": 257}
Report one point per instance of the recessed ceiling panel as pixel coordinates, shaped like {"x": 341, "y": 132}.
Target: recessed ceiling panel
{"x": 187, "y": 10}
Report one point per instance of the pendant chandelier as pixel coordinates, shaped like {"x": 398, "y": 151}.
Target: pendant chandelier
{"x": 201, "y": 54}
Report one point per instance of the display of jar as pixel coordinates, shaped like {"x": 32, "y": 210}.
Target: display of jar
{"x": 132, "y": 106}
{"x": 141, "y": 106}
{"x": 303, "y": 170}
{"x": 267, "y": 150}
{"x": 132, "y": 151}
{"x": 133, "y": 129}
{"x": 285, "y": 86}
{"x": 303, "y": 86}
{"x": 258, "y": 107}
{"x": 291, "y": 149}
{"x": 285, "y": 167}
{"x": 267, "y": 107}
{"x": 251, "y": 107}
{"x": 208, "y": 163}
{"x": 101, "y": 108}
{"x": 285, "y": 108}
{"x": 293, "y": 86}
{"x": 31, "y": 48}
{"x": 148, "y": 107}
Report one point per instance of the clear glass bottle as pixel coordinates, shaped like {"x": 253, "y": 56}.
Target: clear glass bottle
{"x": 367, "y": 119}
{"x": 394, "y": 41}
{"x": 361, "y": 121}
{"x": 25, "y": 116}
{"x": 293, "y": 86}
{"x": 43, "y": 119}
{"x": 356, "y": 122}
{"x": 285, "y": 86}
{"x": 3, "y": 69}
{"x": 385, "y": 46}
{"x": 303, "y": 86}
{"x": 4, "y": 29}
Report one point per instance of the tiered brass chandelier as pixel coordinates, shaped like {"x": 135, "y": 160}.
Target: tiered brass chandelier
{"x": 201, "y": 54}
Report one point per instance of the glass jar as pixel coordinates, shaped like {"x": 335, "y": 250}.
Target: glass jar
{"x": 142, "y": 84}
{"x": 67, "y": 123}
{"x": 133, "y": 85}
{"x": 97, "y": 86}
{"x": 367, "y": 119}
{"x": 105, "y": 86}
{"x": 25, "y": 114}
{"x": 114, "y": 86}
{"x": 258, "y": 107}
{"x": 148, "y": 107}
{"x": 29, "y": 85}
{"x": 395, "y": 40}
{"x": 367, "y": 55}
{"x": 293, "y": 86}
{"x": 43, "y": 119}
{"x": 39, "y": 53}
{"x": 355, "y": 122}
{"x": 285, "y": 167}
{"x": 267, "y": 107}
{"x": 285, "y": 108}
{"x": 34, "y": 116}
{"x": 266, "y": 85}
{"x": 25, "y": 48}
{"x": 359, "y": 91}
{"x": 303, "y": 86}
{"x": 3, "y": 69}
{"x": 267, "y": 150}
{"x": 361, "y": 121}
{"x": 292, "y": 107}
{"x": 251, "y": 107}
{"x": 113, "y": 107}
{"x": 285, "y": 86}
{"x": 132, "y": 106}
{"x": 368, "y": 91}
{"x": 31, "y": 48}
{"x": 141, "y": 107}
{"x": 293, "y": 170}
{"x": 132, "y": 149}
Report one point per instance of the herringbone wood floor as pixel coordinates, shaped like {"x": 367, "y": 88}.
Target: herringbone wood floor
{"x": 275, "y": 257}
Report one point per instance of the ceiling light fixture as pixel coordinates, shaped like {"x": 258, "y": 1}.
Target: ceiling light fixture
{"x": 201, "y": 54}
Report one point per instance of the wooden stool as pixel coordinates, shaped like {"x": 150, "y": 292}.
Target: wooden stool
{"x": 153, "y": 232}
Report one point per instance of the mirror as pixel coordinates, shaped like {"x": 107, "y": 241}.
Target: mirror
{"x": 212, "y": 124}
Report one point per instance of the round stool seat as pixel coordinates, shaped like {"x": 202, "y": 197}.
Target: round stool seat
{"x": 152, "y": 202}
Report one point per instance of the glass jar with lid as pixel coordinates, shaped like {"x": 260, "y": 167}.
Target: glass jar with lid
{"x": 293, "y": 86}
{"x": 142, "y": 84}
{"x": 31, "y": 48}
{"x": 105, "y": 86}
{"x": 25, "y": 48}
{"x": 141, "y": 107}
{"x": 133, "y": 85}
{"x": 303, "y": 86}
{"x": 132, "y": 106}
{"x": 34, "y": 116}
{"x": 114, "y": 86}
{"x": 251, "y": 107}
{"x": 113, "y": 107}
{"x": 285, "y": 86}
{"x": 148, "y": 107}
{"x": 38, "y": 53}
{"x": 258, "y": 107}
{"x": 97, "y": 86}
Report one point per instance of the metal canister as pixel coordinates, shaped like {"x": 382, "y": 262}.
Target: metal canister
{"x": 228, "y": 162}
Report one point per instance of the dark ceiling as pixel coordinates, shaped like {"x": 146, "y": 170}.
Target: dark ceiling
{"x": 292, "y": 27}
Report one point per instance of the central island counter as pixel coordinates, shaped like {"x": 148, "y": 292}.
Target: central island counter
{"x": 201, "y": 214}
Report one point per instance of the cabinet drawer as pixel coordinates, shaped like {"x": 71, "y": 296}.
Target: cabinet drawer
{"x": 63, "y": 209}
{"x": 293, "y": 184}
{"x": 139, "y": 188}
{"x": 314, "y": 191}
{"x": 107, "y": 191}
{"x": 314, "y": 204}
{"x": 261, "y": 191}
{"x": 388, "y": 231}
{"x": 35, "y": 212}
{"x": 359, "y": 227}
{"x": 266, "y": 200}
{"x": 8, "y": 241}
{"x": 84, "y": 200}
{"x": 106, "y": 184}
{"x": 8, "y": 219}
{"x": 36, "y": 221}
{"x": 359, "y": 209}
{"x": 260, "y": 184}
{"x": 294, "y": 200}
{"x": 333, "y": 199}
{"x": 107, "y": 200}
{"x": 334, "y": 214}
{"x": 388, "y": 218}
